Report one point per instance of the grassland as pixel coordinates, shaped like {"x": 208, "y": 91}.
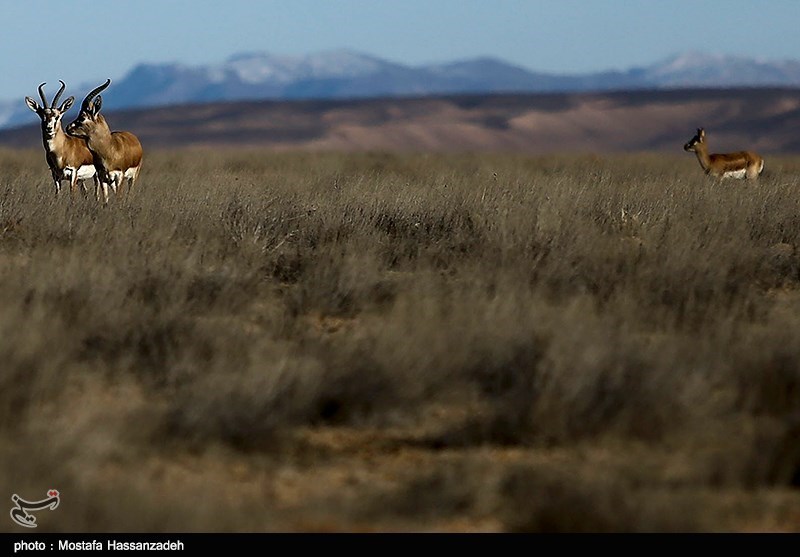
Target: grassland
{"x": 370, "y": 342}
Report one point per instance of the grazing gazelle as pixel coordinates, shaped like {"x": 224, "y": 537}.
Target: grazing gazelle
{"x": 743, "y": 164}
{"x": 68, "y": 157}
{"x": 117, "y": 155}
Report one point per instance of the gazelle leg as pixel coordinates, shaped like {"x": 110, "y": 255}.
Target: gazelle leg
{"x": 56, "y": 181}
{"x": 133, "y": 178}
{"x": 73, "y": 183}
{"x": 113, "y": 181}
{"x": 102, "y": 186}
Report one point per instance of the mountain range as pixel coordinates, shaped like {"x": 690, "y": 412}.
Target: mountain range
{"x": 343, "y": 74}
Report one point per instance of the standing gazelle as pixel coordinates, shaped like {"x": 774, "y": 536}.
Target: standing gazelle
{"x": 117, "y": 155}
{"x": 68, "y": 157}
{"x": 742, "y": 164}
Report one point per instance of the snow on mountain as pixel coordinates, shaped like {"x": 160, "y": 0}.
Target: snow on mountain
{"x": 693, "y": 69}
{"x": 262, "y": 67}
{"x": 347, "y": 74}
{"x": 687, "y": 61}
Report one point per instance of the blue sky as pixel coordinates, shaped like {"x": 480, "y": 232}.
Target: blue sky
{"x": 81, "y": 40}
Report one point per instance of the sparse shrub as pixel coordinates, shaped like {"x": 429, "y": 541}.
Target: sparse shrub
{"x": 542, "y": 500}
{"x": 459, "y": 306}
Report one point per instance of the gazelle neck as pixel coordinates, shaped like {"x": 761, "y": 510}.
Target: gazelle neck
{"x": 701, "y": 150}
{"x": 57, "y": 141}
{"x": 100, "y": 138}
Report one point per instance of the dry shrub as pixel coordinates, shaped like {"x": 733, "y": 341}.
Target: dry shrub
{"x": 572, "y": 300}
{"x": 547, "y": 501}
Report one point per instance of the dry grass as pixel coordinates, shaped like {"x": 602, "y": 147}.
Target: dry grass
{"x": 372, "y": 342}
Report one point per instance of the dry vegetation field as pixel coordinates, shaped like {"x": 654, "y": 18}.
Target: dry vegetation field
{"x": 373, "y": 342}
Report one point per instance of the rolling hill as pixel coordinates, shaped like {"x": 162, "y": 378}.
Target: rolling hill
{"x": 767, "y": 120}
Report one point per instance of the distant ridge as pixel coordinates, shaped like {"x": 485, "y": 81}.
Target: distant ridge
{"x": 764, "y": 120}
{"x": 344, "y": 74}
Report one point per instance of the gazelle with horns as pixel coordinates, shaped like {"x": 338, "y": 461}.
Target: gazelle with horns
{"x": 68, "y": 157}
{"x": 742, "y": 164}
{"x": 117, "y": 155}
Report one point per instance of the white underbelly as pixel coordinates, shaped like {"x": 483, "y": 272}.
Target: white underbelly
{"x": 741, "y": 173}
{"x": 84, "y": 172}
{"x": 116, "y": 175}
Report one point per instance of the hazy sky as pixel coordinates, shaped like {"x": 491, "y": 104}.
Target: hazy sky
{"x": 82, "y": 40}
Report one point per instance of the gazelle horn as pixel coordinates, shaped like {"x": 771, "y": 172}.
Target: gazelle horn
{"x": 93, "y": 93}
{"x": 41, "y": 95}
{"x": 58, "y": 95}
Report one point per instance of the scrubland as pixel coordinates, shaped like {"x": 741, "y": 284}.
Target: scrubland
{"x": 252, "y": 341}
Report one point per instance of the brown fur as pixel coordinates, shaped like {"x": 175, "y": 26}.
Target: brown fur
{"x": 68, "y": 151}
{"x": 718, "y": 164}
{"x": 114, "y": 153}
{"x": 62, "y": 151}
{"x": 115, "y": 150}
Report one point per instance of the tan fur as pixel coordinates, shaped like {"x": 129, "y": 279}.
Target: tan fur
{"x": 64, "y": 151}
{"x": 61, "y": 150}
{"x": 115, "y": 150}
{"x": 68, "y": 151}
{"x": 116, "y": 155}
{"x": 721, "y": 164}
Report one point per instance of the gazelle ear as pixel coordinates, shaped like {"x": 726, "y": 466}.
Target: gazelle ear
{"x": 67, "y": 104}
{"x": 701, "y": 133}
{"x": 32, "y": 104}
{"x": 97, "y": 103}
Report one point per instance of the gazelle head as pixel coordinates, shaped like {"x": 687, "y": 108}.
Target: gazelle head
{"x": 693, "y": 142}
{"x": 50, "y": 115}
{"x": 89, "y": 117}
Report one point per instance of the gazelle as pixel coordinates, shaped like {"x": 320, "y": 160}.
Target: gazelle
{"x": 68, "y": 157}
{"x": 742, "y": 164}
{"x": 117, "y": 155}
